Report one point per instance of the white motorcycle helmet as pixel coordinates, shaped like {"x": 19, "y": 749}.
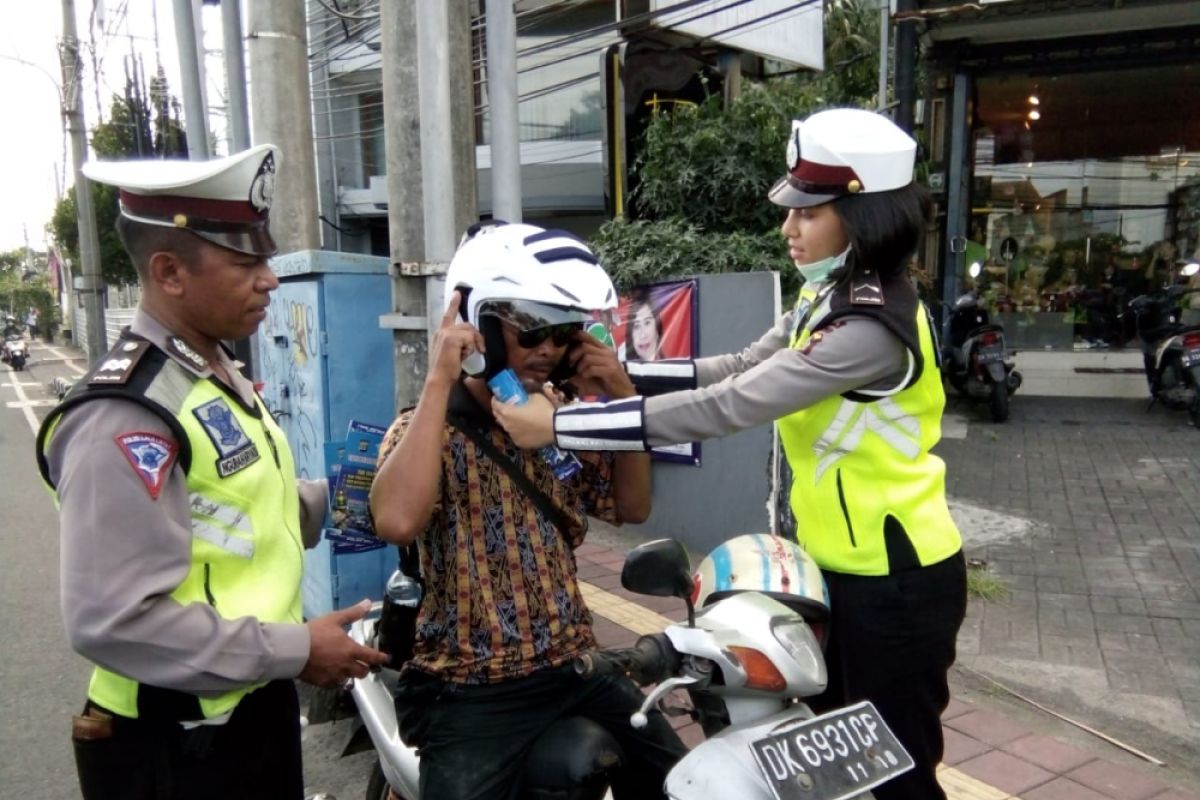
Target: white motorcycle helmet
{"x": 527, "y": 275}
{"x": 772, "y": 565}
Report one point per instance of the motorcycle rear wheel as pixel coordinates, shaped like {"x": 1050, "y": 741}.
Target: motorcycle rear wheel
{"x": 377, "y": 786}
{"x": 999, "y": 402}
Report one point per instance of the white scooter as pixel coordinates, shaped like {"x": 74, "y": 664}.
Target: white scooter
{"x": 16, "y": 352}
{"x": 746, "y": 659}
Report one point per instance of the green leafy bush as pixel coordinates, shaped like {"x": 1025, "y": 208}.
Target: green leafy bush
{"x": 642, "y": 252}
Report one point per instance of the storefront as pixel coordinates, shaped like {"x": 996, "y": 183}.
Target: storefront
{"x": 1064, "y": 143}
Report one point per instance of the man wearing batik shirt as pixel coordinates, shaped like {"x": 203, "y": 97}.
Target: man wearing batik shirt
{"x": 503, "y": 618}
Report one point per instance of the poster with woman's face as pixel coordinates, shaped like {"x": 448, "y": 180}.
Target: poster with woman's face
{"x": 655, "y": 322}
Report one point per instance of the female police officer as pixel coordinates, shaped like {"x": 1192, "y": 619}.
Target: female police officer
{"x": 851, "y": 377}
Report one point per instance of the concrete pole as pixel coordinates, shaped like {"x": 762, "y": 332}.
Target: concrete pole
{"x": 91, "y": 283}
{"x": 277, "y": 49}
{"x": 462, "y": 116}
{"x": 406, "y": 217}
{"x": 419, "y": 143}
{"x": 193, "y": 86}
{"x": 502, "y": 110}
{"x": 235, "y": 75}
{"x": 437, "y": 145}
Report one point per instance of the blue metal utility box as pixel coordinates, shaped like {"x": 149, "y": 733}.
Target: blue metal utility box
{"x": 324, "y": 361}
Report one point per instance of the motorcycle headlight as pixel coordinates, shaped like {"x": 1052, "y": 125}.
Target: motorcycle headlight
{"x": 801, "y": 644}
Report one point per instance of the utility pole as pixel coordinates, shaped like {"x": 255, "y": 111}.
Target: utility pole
{"x": 193, "y": 85}
{"x": 277, "y": 48}
{"x": 406, "y": 216}
{"x": 235, "y": 75}
{"x": 430, "y": 149}
{"x": 91, "y": 284}
{"x": 502, "y": 110}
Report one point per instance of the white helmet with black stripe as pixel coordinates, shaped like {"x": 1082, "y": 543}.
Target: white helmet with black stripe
{"x": 528, "y": 275}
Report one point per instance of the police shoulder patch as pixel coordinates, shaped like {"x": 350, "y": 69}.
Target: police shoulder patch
{"x": 235, "y": 450}
{"x": 150, "y": 455}
{"x": 117, "y": 366}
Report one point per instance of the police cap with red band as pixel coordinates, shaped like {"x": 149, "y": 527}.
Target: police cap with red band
{"x": 226, "y": 201}
{"x": 841, "y": 152}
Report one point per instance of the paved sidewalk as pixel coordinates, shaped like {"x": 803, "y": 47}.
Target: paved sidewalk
{"x": 989, "y": 756}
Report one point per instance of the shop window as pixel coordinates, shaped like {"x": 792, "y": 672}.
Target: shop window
{"x": 1085, "y": 193}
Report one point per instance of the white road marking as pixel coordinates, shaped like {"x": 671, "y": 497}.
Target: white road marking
{"x": 67, "y": 359}
{"x": 25, "y": 405}
{"x": 31, "y": 403}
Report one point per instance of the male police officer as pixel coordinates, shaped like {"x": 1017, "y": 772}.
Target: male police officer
{"x": 182, "y": 524}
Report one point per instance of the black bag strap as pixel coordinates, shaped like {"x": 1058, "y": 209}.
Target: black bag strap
{"x": 539, "y": 498}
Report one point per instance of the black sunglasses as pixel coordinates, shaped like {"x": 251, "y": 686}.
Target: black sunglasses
{"x": 562, "y": 334}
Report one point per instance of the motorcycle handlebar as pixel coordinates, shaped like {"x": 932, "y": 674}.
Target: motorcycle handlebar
{"x": 651, "y": 660}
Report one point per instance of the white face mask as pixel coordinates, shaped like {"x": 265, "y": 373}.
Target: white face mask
{"x": 819, "y": 270}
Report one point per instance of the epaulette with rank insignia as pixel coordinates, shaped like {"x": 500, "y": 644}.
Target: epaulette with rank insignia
{"x": 118, "y": 365}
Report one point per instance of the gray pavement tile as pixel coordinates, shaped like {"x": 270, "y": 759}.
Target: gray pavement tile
{"x": 1116, "y": 781}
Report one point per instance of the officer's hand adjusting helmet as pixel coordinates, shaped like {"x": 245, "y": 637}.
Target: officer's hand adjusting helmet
{"x": 528, "y": 276}
{"x": 771, "y": 565}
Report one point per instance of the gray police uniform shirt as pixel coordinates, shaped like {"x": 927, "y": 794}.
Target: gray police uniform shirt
{"x": 765, "y": 382}
{"x": 122, "y": 553}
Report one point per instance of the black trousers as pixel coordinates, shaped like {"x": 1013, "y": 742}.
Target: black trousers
{"x": 892, "y": 641}
{"x": 472, "y": 739}
{"x": 253, "y": 756}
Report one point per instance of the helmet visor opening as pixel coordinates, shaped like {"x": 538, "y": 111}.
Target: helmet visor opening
{"x": 526, "y": 315}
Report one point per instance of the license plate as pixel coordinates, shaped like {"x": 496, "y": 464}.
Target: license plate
{"x": 830, "y": 757}
{"x": 989, "y": 355}
{"x": 1191, "y": 358}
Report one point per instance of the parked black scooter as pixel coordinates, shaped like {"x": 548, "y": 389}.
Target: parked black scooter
{"x": 975, "y": 357}
{"x": 1170, "y": 349}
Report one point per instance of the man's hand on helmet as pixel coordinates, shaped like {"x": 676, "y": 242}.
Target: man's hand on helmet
{"x": 452, "y": 343}
{"x": 596, "y": 370}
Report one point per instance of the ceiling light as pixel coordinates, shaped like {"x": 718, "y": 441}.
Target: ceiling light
{"x": 1034, "y": 114}
{"x": 1033, "y": 100}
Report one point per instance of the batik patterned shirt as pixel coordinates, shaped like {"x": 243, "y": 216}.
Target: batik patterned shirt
{"x": 501, "y": 596}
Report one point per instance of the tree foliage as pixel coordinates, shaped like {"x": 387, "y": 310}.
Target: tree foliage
{"x": 703, "y": 171}
{"x": 18, "y": 295}
{"x": 126, "y": 134}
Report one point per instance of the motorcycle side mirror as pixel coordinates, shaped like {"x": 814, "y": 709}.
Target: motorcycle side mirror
{"x": 660, "y": 568}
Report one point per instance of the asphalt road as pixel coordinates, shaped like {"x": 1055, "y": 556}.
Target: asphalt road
{"x": 42, "y": 683}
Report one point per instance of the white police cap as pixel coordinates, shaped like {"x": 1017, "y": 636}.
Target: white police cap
{"x": 226, "y": 200}
{"x": 841, "y": 152}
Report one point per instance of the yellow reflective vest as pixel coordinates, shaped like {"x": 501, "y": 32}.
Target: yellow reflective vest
{"x": 861, "y": 458}
{"x": 247, "y": 552}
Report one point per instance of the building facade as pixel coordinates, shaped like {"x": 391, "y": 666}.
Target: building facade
{"x": 1064, "y": 153}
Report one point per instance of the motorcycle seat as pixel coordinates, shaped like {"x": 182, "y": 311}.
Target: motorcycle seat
{"x": 985, "y": 329}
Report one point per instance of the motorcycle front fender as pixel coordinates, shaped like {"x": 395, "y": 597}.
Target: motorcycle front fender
{"x": 377, "y": 710}
{"x": 723, "y": 765}
{"x": 995, "y": 371}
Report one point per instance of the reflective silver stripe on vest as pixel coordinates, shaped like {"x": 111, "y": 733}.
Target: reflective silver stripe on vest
{"x": 229, "y": 516}
{"x": 219, "y": 537}
{"x": 216, "y": 522}
{"x": 884, "y": 418}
